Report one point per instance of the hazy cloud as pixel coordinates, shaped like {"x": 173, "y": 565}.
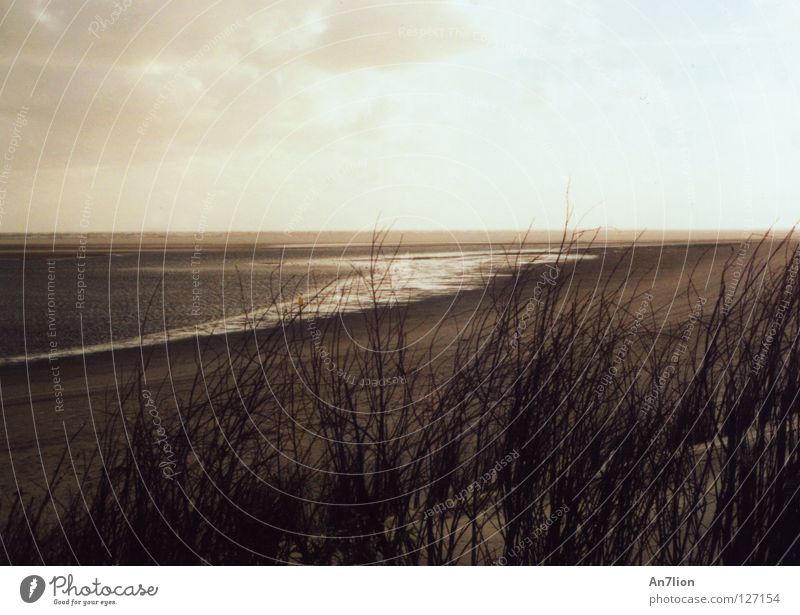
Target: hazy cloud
{"x": 145, "y": 105}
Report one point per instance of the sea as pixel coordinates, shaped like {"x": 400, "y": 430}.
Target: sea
{"x": 60, "y": 301}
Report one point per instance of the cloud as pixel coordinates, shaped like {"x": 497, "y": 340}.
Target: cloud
{"x": 145, "y": 104}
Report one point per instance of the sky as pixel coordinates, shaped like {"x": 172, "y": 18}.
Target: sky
{"x": 296, "y": 115}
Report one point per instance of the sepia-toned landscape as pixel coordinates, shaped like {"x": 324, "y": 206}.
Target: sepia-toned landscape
{"x": 440, "y": 282}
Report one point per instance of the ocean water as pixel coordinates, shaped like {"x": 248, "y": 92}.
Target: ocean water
{"x": 63, "y": 304}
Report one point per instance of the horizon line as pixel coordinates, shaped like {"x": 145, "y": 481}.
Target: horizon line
{"x": 393, "y": 230}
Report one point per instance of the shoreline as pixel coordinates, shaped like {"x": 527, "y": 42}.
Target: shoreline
{"x": 232, "y": 325}
{"x": 99, "y": 244}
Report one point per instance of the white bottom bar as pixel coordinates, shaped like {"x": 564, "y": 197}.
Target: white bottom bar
{"x": 402, "y": 591}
